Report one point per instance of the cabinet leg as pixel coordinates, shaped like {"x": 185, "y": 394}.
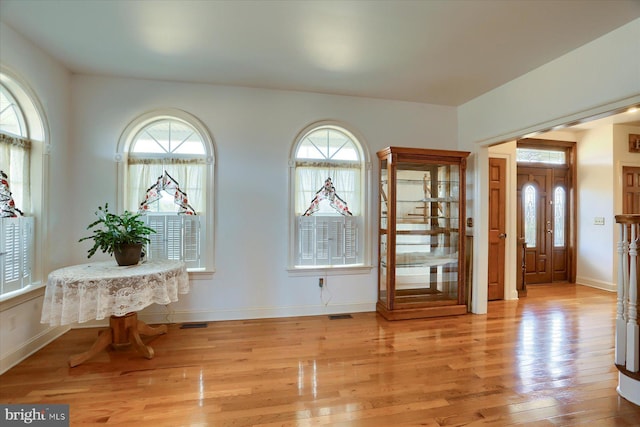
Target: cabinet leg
{"x": 104, "y": 339}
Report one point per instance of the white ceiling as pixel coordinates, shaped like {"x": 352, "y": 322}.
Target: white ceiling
{"x": 433, "y": 51}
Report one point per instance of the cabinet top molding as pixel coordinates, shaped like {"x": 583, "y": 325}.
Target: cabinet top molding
{"x": 410, "y": 151}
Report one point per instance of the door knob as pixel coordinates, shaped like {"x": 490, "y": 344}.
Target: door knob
{"x": 502, "y": 235}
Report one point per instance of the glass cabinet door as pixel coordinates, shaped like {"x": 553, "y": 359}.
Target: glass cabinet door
{"x": 383, "y": 279}
{"x": 427, "y": 234}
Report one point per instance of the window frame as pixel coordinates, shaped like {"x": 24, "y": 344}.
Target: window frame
{"x": 121, "y": 158}
{"x": 365, "y": 203}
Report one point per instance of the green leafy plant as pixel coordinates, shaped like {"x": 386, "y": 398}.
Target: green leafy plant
{"x": 110, "y": 231}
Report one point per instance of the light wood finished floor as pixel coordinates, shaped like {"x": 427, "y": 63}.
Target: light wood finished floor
{"x": 546, "y": 360}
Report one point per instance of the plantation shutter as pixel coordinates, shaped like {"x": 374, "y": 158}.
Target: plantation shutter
{"x": 351, "y": 239}
{"x": 16, "y": 261}
{"x": 177, "y": 237}
{"x": 156, "y": 247}
{"x": 173, "y": 236}
{"x": 306, "y": 230}
{"x": 327, "y": 240}
{"x": 191, "y": 241}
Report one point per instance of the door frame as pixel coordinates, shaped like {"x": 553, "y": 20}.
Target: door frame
{"x": 570, "y": 148}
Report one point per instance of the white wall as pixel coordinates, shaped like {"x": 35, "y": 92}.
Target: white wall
{"x": 254, "y": 131}
{"x": 595, "y": 186}
{"x": 598, "y": 77}
{"x": 20, "y": 330}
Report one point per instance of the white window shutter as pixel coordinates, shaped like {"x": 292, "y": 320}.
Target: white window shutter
{"x": 173, "y": 236}
{"x": 351, "y": 227}
{"x": 177, "y": 237}
{"x": 16, "y": 247}
{"x": 335, "y": 227}
{"x": 306, "y": 232}
{"x": 322, "y": 240}
{"x": 157, "y": 249}
{"x": 328, "y": 240}
{"x": 191, "y": 241}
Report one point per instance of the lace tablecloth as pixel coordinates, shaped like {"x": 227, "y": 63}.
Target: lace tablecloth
{"x": 98, "y": 290}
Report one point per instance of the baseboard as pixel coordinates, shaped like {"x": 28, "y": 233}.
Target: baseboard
{"x": 595, "y": 283}
{"x": 9, "y": 360}
{"x": 164, "y": 314}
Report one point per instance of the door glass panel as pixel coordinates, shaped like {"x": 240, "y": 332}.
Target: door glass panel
{"x": 384, "y": 218}
{"x": 530, "y": 215}
{"x": 427, "y": 233}
{"x": 559, "y": 216}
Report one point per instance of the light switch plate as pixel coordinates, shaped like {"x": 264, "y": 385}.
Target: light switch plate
{"x": 599, "y": 220}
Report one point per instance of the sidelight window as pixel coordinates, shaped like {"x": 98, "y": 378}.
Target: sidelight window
{"x": 559, "y": 202}
{"x": 530, "y": 215}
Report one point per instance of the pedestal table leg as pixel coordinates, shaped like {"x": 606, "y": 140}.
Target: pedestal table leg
{"x": 122, "y": 332}
{"x": 104, "y": 339}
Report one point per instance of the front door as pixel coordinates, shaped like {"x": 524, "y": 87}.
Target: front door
{"x": 543, "y": 223}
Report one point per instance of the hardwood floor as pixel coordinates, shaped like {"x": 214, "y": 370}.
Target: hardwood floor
{"x": 546, "y": 360}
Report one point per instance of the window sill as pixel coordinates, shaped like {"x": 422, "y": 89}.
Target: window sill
{"x": 329, "y": 270}
{"x": 20, "y": 296}
{"x": 200, "y": 273}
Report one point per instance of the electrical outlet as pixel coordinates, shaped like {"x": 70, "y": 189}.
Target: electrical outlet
{"x": 321, "y": 282}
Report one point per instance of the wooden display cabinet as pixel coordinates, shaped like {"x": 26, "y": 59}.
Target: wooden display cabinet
{"x": 421, "y": 233}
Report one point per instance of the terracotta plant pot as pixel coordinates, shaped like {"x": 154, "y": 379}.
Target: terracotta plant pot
{"x": 128, "y": 254}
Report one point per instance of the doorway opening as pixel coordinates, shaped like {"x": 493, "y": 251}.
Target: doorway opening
{"x": 546, "y": 211}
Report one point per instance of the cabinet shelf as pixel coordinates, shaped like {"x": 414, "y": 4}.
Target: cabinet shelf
{"x": 421, "y": 237}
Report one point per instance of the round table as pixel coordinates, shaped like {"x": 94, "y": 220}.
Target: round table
{"x": 103, "y": 289}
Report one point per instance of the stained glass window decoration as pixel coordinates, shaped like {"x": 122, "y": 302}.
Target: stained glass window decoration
{"x": 530, "y": 216}
{"x": 559, "y": 198}
{"x": 535, "y": 155}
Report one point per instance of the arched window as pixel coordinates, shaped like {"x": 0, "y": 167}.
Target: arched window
{"x": 559, "y": 203}
{"x": 168, "y": 173}
{"x": 329, "y": 182}
{"x": 530, "y": 215}
{"x": 15, "y": 148}
{"x": 22, "y": 191}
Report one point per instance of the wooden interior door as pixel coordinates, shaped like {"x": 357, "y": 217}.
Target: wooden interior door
{"x": 631, "y": 190}
{"x": 542, "y": 213}
{"x": 497, "y": 227}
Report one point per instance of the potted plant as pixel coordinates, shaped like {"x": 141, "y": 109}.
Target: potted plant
{"x": 119, "y": 235}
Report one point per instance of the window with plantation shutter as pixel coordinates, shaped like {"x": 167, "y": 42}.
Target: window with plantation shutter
{"x": 329, "y": 177}
{"x": 22, "y": 187}
{"x": 168, "y": 168}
